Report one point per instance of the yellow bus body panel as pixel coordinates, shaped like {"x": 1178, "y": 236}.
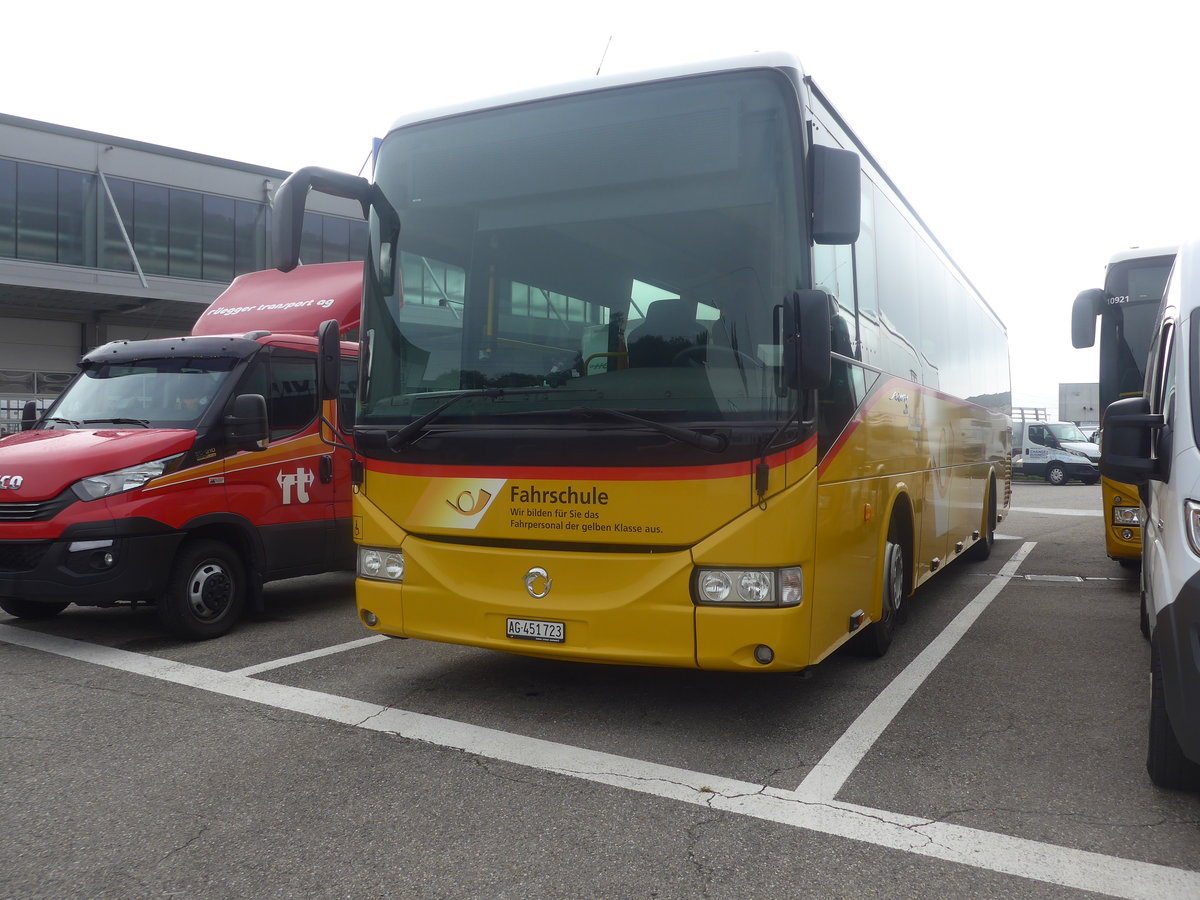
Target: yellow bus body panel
{"x": 620, "y": 552}
{"x": 1118, "y": 547}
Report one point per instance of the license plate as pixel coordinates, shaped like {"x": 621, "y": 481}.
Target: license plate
{"x": 535, "y": 630}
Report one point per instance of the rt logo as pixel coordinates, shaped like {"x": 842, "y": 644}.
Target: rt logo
{"x": 297, "y": 481}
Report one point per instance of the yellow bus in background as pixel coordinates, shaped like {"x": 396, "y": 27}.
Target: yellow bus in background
{"x": 660, "y": 369}
{"x": 1126, "y": 308}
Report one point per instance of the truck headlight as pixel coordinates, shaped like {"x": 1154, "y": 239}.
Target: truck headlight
{"x": 96, "y": 486}
{"x": 1191, "y": 512}
{"x": 381, "y": 564}
{"x": 748, "y": 587}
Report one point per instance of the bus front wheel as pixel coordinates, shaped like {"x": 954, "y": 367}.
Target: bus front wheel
{"x": 877, "y": 637}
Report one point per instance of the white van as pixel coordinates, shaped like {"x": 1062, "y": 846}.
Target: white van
{"x": 1056, "y": 451}
{"x": 1153, "y": 441}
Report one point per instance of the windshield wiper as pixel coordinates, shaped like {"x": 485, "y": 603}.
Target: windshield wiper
{"x": 70, "y": 422}
{"x": 117, "y": 421}
{"x": 713, "y": 443}
{"x": 413, "y": 430}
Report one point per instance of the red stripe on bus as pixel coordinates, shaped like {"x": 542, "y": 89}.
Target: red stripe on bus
{"x": 605, "y": 473}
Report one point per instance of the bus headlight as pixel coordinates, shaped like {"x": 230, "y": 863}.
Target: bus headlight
{"x": 380, "y": 564}
{"x": 748, "y": 587}
{"x": 1127, "y": 515}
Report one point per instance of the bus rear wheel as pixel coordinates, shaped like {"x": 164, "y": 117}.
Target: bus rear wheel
{"x": 206, "y": 592}
{"x": 982, "y": 548}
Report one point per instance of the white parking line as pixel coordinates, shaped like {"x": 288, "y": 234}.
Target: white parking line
{"x": 1058, "y": 512}
{"x": 1000, "y": 853}
{"x": 827, "y": 776}
{"x": 311, "y": 654}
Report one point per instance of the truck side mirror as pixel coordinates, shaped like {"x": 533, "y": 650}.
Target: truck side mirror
{"x": 29, "y": 415}
{"x": 329, "y": 359}
{"x": 1083, "y": 317}
{"x": 246, "y": 424}
{"x": 806, "y": 340}
{"x": 836, "y": 195}
{"x": 1126, "y": 453}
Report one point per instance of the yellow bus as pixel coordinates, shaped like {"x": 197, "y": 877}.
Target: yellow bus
{"x": 661, "y": 370}
{"x": 1126, "y": 308}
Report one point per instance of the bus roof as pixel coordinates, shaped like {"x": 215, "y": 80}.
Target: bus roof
{"x": 767, "y": 60}
{"x": 295, "y": 302}
{"x": 1141, "y": 253}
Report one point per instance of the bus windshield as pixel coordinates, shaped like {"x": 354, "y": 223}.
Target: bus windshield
{"x": 624, "y": 249}
{"x": 1135, "y": 288}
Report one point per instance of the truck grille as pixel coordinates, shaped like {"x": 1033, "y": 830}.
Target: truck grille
{"x": 37, "y": 511}
{"x": 22, "y": 556}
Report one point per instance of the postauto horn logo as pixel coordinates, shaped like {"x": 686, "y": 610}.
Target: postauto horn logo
{"x": 456, "y": 502}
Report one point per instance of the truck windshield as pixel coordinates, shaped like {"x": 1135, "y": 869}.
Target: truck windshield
{"x": 623, "y": 249}
{"x": 1067, "y": 432}
{"x": 153, "y": 393}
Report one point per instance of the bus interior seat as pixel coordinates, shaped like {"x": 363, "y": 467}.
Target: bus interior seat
{"x": 670, "y": 327}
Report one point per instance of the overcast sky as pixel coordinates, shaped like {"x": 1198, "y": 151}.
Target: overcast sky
{"x": 1035, "y": 138}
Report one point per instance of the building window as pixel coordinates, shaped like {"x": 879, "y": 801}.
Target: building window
{"x": 332, "y": 239}
{"x": 37, "y": 212}
{"x": 185, "y": 234}
{"x": 8, "y": 208}
{"x": 64, "y": 216}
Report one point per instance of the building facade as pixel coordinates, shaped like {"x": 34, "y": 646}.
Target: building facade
{"x": 104, "y": 238}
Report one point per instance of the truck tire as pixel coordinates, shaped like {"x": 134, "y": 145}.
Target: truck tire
{"x": 1056, "y": 474}
{"x": 30, "y": 609}
{"x": 206, "y": 591}
{"x": 1165, "y": 762}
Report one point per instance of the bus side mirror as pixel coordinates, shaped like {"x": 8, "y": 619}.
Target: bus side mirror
{"x": 806, "y": 340}
{"x": 329, "y": 359}
{"x": 287, "y": 227}
{"x": 1083, "y": 317}
{"x": 29, "y": 415}
{"x": 246, "y": 424}
{"x": 1126, "y": 454}
{"x": 836, "y": 195}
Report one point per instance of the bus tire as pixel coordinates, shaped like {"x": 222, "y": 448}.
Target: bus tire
{"x": 1056, "y": 474}
{"x": 1165, "y": 762}
{"x": 30, "y": 609}
{"x": 877, "y": 637}
{"x": 982, "y": 548}
{"x": 206, "y": 591}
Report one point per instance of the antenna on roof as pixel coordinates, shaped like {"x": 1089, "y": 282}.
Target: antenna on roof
{"x": 604, "y": 54}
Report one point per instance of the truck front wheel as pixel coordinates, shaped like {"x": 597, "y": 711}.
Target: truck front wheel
{"x": 206, "y": 592}
{"x": 30, "y": 609}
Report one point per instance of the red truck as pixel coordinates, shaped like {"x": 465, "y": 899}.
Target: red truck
{"x": 187, "y": 472}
